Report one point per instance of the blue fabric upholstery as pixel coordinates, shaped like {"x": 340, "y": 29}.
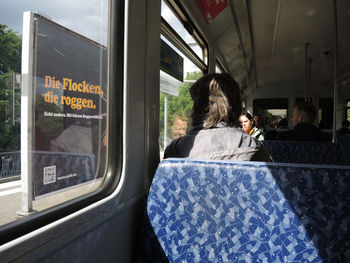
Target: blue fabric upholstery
{"x": 215, "y": 211}
{"x": 149, "y": 249}
{"x": 344, "y": 141}
{"x": 305, "y": 152}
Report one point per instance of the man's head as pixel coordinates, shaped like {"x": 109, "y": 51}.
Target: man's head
{"x": 303, "y": 112}
{"x": 179, "y": 127}
{"x": 257, "y": 119}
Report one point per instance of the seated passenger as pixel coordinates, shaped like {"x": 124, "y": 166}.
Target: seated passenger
{"x": 258, "y": 121}
{"x": 216, "y": 135}
{"x": 282, "y": 125}
{"x": 248, "y": 126}
{"x": 303, "y": 116}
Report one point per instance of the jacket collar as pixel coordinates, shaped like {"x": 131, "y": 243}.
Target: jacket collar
{"x": 199, "y": 127}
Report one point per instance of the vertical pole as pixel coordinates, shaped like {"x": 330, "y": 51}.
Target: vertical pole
{"x": 306, "y": 45}
{"x": 309, "y": 80}
{"x": 335, "y": 77}
{"x": 26, "y": 113}
{"x": 165, "y": 120}
{"x": 13, "y": 97}
{"x": 211, "y": 58}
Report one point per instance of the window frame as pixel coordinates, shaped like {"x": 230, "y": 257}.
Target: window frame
{"x": 114, "y": 156}
{"x": 219, "y": 65}
{"x": 169, "y": 33}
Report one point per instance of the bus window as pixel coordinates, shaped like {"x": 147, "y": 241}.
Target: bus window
{"x": 272, "y": 111}
{"x": 347, "y": 110}
{"x": 218, "y": 67}
{"x": 217, "y": 70}
{"x": 175, "y": 101}
{"x": 179, "y": 21}
{"x": 53, "y": 103}
{"x": 183, "y": 60}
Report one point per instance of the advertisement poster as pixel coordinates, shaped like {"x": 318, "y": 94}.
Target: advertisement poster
{"x": 69, "y": 107}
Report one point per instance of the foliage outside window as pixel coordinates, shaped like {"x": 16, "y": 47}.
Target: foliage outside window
{"x": 10, "y": 64}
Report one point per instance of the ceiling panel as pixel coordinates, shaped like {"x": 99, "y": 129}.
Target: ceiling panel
{"x": 272, "y": 34}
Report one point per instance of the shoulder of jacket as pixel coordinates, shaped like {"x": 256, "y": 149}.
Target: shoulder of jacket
{"x": 170, "y": 150}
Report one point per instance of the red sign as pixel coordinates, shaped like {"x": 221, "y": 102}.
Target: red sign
{"x": 211, "y": 8}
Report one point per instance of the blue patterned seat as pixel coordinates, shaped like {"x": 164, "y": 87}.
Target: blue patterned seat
{"x": 220, "y": 211}
{"x": 344, "y": 141}
{"x": 305, "y": 152}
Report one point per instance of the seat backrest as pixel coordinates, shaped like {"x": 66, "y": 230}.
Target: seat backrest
{"x": 214, "y": 211}
{"x": 344, "y": 141}
{"x": 305, "y": 152}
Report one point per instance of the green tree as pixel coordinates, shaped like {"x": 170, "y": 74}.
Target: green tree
{"x": 10, "y": 61}
{"x": 10, "y": 50}
{"x": 194, "y": 75}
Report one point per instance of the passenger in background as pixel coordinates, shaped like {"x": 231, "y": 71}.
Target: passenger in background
{"x": 282, "y": 125}
{"x": 216, "y": 135}
{"x": 179, "y": 126}
{"x": 258, "y": 122}
{"x": 303, "y": 116}
{"x": 248, "y": 126}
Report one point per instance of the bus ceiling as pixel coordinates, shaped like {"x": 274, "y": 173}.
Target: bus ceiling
{"x": 263, "y": 42}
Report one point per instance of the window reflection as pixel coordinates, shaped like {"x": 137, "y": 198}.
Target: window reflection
{"x": 66, "y": 89}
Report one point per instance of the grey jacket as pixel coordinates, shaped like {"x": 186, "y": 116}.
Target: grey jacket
{"x": 218, "y": 143}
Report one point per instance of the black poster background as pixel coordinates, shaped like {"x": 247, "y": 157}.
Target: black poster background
{"x": 70, "y": 170}
{"x": 171, "y": 62}
{"x": 61, "y": 53}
